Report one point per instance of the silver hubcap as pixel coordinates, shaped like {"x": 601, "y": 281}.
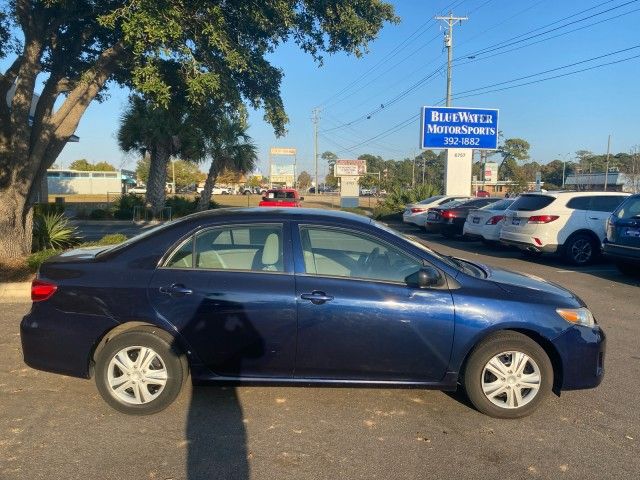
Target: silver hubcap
{"x": 511, "y": 379}
{"x": 136, "y": 375}
{"x": 581, "y": 251}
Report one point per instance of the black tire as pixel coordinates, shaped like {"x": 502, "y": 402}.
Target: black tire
{"x": 531, "y": 254}
{"x": 630, "y": 269}
{"x": 494, "y": 345}
{"x": 174, "y": 362}
{"x": 446, "y": 233}
{"x": 580, "y": 249}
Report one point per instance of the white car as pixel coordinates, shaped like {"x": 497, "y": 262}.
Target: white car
{"x": 486, "y": 222}
{"x": 569, "y": 223}
{"x": 141, "y": 189}
{"x": 416, "y": 213}
{"x": 217, "y": 190}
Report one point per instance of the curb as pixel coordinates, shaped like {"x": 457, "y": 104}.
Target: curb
{"x": 13, "y": 292}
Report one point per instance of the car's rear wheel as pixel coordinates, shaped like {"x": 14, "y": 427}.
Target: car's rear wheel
{"x": 631, "y": 269}
{"x": 139, "y": 372}
{"x": 580, "y": 249}
{"x": 508, "y": 375}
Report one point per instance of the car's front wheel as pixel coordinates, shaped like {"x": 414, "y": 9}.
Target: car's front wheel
{"x": 140, "y": 372}
{"x": 508, "y": 375}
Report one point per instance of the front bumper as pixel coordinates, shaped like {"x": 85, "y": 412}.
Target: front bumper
{"x": 582, "y": 352}
{"x": 61, "y": 342}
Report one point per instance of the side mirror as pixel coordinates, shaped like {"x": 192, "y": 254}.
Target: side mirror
{"x": 264, "y": 199}
{"x": 301, "y": 198}
{"x": 426, "y": 277}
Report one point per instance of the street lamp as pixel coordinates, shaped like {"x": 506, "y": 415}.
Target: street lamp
{"x": 564, "y": 166}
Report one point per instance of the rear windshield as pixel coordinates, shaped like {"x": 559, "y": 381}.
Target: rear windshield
{"x": 530, "y": 203}
{"x": 281, "y": 195}
{"x": 430, "y": 199}
{"x": 500, "y": 205}
{"x": 629, "y": 209}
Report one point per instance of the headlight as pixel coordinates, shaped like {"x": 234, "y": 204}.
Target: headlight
{"x": 577, "y": 316}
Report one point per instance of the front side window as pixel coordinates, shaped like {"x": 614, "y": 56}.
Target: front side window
{"x": 250, "y": 248}
{"x": 340, "y": 253}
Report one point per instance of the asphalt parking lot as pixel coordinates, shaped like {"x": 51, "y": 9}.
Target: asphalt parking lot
{"x": 58, "y": 427}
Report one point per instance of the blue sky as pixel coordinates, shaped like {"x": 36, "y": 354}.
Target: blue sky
{"x": 558, "y": 116}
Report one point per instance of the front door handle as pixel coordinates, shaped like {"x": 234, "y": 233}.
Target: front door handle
{"x": 176, "y": 290}
{"x": 316, "y": 297}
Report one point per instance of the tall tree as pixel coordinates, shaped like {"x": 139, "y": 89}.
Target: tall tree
{"x": 230, "y": 148}
{"x": 304, "y": 180}
{"x": 160, "y": 132}
{"x": 78, "y": 46}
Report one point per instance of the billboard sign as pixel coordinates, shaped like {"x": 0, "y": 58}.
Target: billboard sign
{"x": 348, "y": 168}
{"x": 282, "y": 151}
{"x": 282, "y": 170}
{"x": 491, "y": 172}
{"x": 459, "y": 127}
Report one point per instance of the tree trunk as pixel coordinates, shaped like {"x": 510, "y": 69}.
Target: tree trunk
{"x": 159, "y": 161}
{"x": 205, "y": 195}
{"x": 16, "y": 218}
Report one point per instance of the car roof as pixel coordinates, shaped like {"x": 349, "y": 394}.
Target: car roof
{"x": 569, "y": 193}
{"x": 271, "y": 213}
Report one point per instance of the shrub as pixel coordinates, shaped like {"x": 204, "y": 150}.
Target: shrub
{"x": 53, "y": 231}
{"x": 112, "y": 239}
{"x": 395, "y": 201}
{"x": 99, "y": 214}
{"x": 36, "y": 259}
{"x": 124, "y": 204}
{"x": 47, "y": 209}
{"x": 181, "y": 206}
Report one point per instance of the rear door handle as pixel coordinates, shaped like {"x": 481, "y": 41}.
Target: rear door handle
{"x": 316, "y": 297}
{"x": 176, "y": 290}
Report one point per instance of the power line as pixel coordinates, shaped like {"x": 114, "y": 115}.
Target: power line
{"x": 513, "y": 41}
{"x": 548, "y": 38}
{"x": 388, "y": 55}
{"x": 423, "y": 80}
{"x": 406, "y": 122}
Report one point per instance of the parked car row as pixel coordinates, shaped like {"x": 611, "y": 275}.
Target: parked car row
{"x": 579, "y": 226}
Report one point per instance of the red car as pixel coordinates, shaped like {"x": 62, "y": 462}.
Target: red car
{"x": 286, "y": 197}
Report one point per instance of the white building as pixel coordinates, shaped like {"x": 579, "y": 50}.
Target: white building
{"x": 68, "y": 182}
{"x": 616, "y": 182}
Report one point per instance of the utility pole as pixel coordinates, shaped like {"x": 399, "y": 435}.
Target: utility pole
{"x": 448, "y": 43}
{"x": 315, "y": 119}
{"x": 606, "y": 170}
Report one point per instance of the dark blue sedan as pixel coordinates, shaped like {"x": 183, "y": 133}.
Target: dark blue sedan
{"x": 303, "y": 297}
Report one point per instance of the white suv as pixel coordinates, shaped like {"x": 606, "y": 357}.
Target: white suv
{"x": 569, "y": 223}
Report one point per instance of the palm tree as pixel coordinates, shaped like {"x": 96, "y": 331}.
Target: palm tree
{"x": 230, "y": 148}
{"x": 159, "y": 132}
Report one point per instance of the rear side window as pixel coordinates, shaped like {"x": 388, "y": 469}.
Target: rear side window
{"x": 606, "y": 203}
{"x": 579, "y": 203}
{"x": 530, "y": 203}
{"x": 629, "y": 209}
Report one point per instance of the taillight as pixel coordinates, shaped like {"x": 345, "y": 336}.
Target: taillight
{"x": 41, "y": 290}
{"x": 495, "y": 219}
{"x": 418, "y": 210}
{"x": 447, "y": 214}
{"x": 543, "y": 218}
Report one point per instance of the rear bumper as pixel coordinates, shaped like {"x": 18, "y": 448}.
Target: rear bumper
{"x": 61, "y": 342}
{"x": 622, "y": 252}
{"x": 525, "y": 242}
{"x": 582, "y": 352}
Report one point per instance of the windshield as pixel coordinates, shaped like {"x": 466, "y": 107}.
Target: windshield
{"x": 141, "y": 236}
{"x": 500, "y": 205}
